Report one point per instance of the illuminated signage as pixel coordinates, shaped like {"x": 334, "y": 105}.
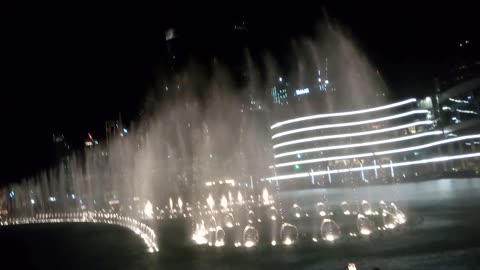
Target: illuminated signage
{"x": 304, "y": 91}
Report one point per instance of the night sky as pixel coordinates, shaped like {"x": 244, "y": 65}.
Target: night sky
{"x": 68, "y": 71}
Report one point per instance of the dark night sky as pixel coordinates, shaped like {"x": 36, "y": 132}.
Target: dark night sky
{"x": 69, "y": 71}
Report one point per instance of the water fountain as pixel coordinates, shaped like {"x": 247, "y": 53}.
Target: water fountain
{"x": 206, "y": 152}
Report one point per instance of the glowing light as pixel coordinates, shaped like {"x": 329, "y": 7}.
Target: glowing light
{"x": 401, "y": 164}
{"x": 249, "y": 244}
{"x": 458, "y": 100}
{"x": 298, "y": 130}
{"x": 180, "y": 203}
{"x": 330, "y": 237}
{"x": 314, "y": 239}
{"x": 210, "y": 201}
{"x": 52, "y": 199}
{"x": 239, "y": 197}
{"x": 148, "y": 210}
{"x": 224, "y": 202}
{"x": 355, "y": 134}
{"x": 318, "y": 149}
{"x": 300, "y": 92}
{"x": 287, "y": 241}
{"x": 32, "y": 201}
{"x": 351, "y": 266}
{"x": 274, "y": 243}
{"x": 230, "y": 181}
{"x": 279, "y": 124}
{"x": 406, "y": 149}
{"x": 296, "y": 163}
{"x": 125, "y": 131}
{"x": 466, "y": 111}
{"x": 265, "y": 197}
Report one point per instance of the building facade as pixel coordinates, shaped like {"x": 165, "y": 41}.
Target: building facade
{"x": 389, "y": 143}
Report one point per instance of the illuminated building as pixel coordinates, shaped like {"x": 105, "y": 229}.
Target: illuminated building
{"x": 290, "y": 91}
{"x": 393, "y": 142}
{"x": 459, "y": 106}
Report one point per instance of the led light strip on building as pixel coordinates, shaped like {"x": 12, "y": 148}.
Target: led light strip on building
{"x": 394, "y": 165}
{"x": 337, "y": 136}
{"x": 311, "y": 117}
{"x": 353, "y": 145}
{"x": 406, "y": 149}
{"x": 293, "y": 131}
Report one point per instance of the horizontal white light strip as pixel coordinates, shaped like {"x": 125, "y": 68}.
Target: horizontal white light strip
{"x": 326, "y": 148}
{"x": 350, "y": 123}
{"x": 400, "y": 164}
{"x": 279, "y": 124}
{"x": 336, "y": 136}
{"x": 406, "y": 149}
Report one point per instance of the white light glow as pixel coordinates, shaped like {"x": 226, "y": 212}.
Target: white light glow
{"x": 458, "y": 100}
{"x": 249, "y": 244}
{"x": 343, "y": 113}
{"x": 224, "y": 202}
{"x": 288, "y": 241}
{"x": 353, "y": 145}
{"x": 401, "y": 164}
{"x": 355, "y": 134}
{"x": 400, "y": 150}
{"x": 330, "y": 237}
{"x": 274, "y": 243}
{"x": 356, "y": 123}
{"x": 210, "y": 201}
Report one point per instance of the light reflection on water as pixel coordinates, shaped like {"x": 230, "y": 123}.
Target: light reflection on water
{"x": 444, "y": 189}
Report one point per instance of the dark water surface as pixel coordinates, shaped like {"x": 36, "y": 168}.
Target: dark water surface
{"x": 448, "y": 238}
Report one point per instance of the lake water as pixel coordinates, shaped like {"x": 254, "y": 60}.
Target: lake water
{"x": 448, "y": 238}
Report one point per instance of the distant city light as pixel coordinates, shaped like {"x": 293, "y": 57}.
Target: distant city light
{"x": 319, "y": 79}
{"x": 125, "y": 131}
{"x": 280, "y": 79}
{"x": 302, "y": 91}
{"x": 326, "y": 81}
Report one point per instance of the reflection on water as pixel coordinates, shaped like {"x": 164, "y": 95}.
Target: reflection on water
{"x": 444, "y": 189}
